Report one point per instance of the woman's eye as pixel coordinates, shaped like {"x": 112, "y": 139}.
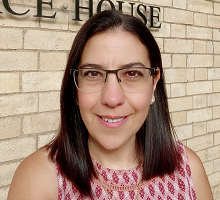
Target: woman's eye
{"x": 92, "y": 73}
{"x": 133, "y": 73}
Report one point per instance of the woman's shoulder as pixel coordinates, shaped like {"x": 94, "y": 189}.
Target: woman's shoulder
{"x": 35, "y": 178}
{"x": 199, "y": 177}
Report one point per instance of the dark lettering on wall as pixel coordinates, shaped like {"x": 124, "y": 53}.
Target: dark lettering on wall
{"x": 152, "y": 16}
{"x": 152, "y": 19}
{"x": 77, "y": 6}
{"x": 99, "y": 6}
{"x": 8, "y": 8}
{"x": 132, "y": 8}
{"x": 39, "y": 9}
{"x": 120, "y": 5}
{"x": 141, "y": 14}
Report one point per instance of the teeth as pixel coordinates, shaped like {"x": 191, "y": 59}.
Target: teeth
{"x": 112, "y": 120}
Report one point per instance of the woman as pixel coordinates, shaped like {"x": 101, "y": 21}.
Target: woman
{"x": 115, "y": 140}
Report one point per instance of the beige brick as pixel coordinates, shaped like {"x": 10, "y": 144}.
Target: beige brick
{"x": 184, "y": 132}
{"x": 216, "y": 47}
{"x": 53, "y": 61}
{"x": 217, "y": 165}
{"x": 213, "y": 21}
{"x": 178, "y": 31}
{"x": 216, "y": 34}
{"x": 214, "y": 179}
{"x": 160, "y": 44}
{"x": 76, "y": 25}
{"x": 57, "y": 4}
{"x": 168, "y": 90}
{"x": 199, "y": 128}
{"x": 178, "y": 90}
{"x": 178, "y": 60}
{"x": 59, "y": 22}
{"x": 178, "y": 118}
{"x": 166, "y": 60}
{"x": 214, "y": 99}
{"x": 45, "y": 139}
{"x": 41, "y": 122}
{"x": 200, "y": 143}
{"x": 210, "y": 47}
{"x": 180, "y": 104}
{"x": 199, "y": 115}
{"x": 16, "y": 148}
{"x": 201, "y": 74}
{"x": 18, "y": 104}
{"x": 213, "y": 125}
{"x": 217, "y": 11}
{"x": 49, "y": 101}
{"x": 4, "y": 193}
{"x": 179, "y": 4}
{"x": 160, "y": 2}
{"x": 11, "y": 61}
{"x": 199, "y": 101}
{"x": 178, "y": 46}
{"x": 203, "y": 155}
{"x": 199, "y": 61}
{"x": 41, "y": 81}
{"x": 214, "y": 74}
{"x": 217, "y": 138}
{"x": 200, "y": 19}
{"x": 216, "y": 192}
{"x": 11, "y": 38}
{"x": 7, "y": 172}
{"x": 199, "y": 87}
{"x": 10, "y": 127}
{"x": 164, "y": 31}
{"x": 216, "y": 86}
{"x": 209, "y": 167}
{"x": 48, "y": 40}
{"x": 214, "y": 153}
{"x": 9, "y": 82}
{"x": 199, "y": 33}
{"x": 200, "y": 46}
{"x": 179, "y": 75}
{"x": 178, "y": 16}
{"x": 216, "y": 60}
{"x": 200, "y": 6}
{"x": 26, "y": 20}
{"x": 216, "y": 112}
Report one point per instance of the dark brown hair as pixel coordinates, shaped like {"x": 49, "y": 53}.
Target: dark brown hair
{"x": 154, "y": 141}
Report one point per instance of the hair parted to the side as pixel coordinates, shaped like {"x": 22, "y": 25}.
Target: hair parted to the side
{"x": 155, "y": 143}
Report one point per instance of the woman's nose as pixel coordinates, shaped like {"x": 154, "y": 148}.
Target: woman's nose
{"x": 112, "y": 93}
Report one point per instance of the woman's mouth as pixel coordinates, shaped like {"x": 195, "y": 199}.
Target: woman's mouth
{"x": 112, "y": 120}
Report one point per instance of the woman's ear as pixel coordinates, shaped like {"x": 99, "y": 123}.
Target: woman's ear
{"x": 156, "y": 78}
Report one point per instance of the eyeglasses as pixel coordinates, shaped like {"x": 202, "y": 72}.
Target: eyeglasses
{"x": 131, "y": 79}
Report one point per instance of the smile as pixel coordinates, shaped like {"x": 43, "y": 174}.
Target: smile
{"x": 112, "y": 120}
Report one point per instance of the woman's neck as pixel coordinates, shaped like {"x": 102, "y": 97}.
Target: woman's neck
{"x": 124, "y": 158}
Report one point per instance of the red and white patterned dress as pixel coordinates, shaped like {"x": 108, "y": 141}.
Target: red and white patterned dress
{"x": 124, "y": 184}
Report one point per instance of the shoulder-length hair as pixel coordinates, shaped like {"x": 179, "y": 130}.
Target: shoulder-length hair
{"x": 155, "y": 144}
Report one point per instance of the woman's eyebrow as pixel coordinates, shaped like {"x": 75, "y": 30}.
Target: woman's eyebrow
{"x": 139, "y": 64}
{"x": 97, "y": 66}
{"x": 91, "y": 65}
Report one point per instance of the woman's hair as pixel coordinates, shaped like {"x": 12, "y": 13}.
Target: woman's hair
{"x": 155, "y": 145}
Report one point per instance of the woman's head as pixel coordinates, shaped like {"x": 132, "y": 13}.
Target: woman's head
{"x": 154, "y": 134}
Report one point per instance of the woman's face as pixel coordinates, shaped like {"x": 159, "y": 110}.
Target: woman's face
{"x": 113, "y": 116}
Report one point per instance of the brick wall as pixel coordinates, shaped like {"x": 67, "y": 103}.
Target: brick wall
{"x": 33, "y": 54}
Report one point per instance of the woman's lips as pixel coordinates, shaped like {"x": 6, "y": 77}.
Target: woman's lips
{"x": 112, "y": 122}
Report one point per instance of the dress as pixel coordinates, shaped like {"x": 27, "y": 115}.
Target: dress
{"x": 176, "y": 186}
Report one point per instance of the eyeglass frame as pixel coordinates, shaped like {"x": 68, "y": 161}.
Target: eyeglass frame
{"x": 153, "y": 71}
